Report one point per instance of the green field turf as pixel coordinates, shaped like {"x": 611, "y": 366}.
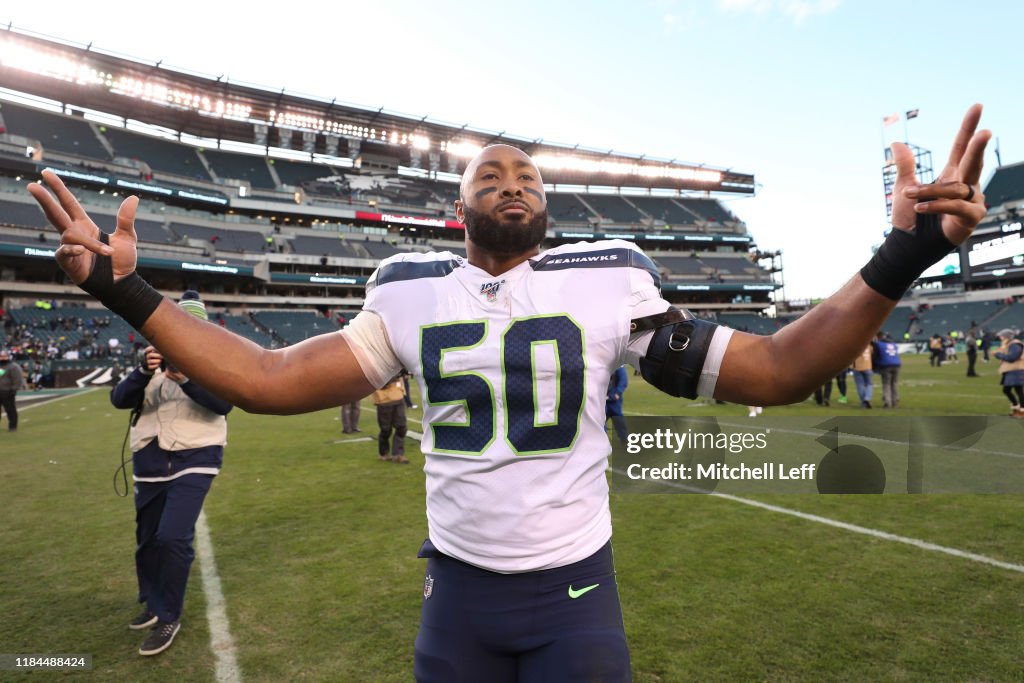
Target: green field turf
{"x": 315, "y": 543}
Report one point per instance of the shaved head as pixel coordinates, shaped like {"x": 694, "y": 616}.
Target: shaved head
{"x": 487, "y": 155}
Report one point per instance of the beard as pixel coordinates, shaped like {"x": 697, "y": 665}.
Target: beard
{"x": 505, "y": 237}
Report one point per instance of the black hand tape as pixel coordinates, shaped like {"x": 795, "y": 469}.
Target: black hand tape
{"x": 132, "y": 298}
{"x": 905, "y": 255}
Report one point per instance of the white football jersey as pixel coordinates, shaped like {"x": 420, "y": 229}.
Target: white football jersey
{"x": 513, "y": 370}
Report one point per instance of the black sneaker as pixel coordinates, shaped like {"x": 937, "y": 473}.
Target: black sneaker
{"x": 144, "y": 620}
{"x": 160, "y": 638}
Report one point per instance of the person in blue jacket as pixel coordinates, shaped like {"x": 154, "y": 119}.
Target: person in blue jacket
{"x": 178, "y": 434}
{"x": 617, "y": 384}
{"x": 886, "y": 362}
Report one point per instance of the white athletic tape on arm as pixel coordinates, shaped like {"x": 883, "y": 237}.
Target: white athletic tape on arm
{"x": 370, "y": 345}
{"x": 713, "y": 362}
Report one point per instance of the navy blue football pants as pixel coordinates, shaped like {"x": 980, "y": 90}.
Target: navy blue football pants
{"x": 165, "y": 524}
{"x": 560, "y": 625}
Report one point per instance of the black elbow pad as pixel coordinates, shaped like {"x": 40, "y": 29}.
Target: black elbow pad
{"x": 675, "y": 357}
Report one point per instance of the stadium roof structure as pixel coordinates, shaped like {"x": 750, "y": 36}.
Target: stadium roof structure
{"x": 218, "y": 110}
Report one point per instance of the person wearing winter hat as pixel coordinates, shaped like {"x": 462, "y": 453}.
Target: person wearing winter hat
{"x": 178, "y": 435}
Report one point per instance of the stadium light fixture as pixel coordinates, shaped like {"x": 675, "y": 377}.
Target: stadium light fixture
{"x": 594, "y": 166}
{"x": 466, "y": 150}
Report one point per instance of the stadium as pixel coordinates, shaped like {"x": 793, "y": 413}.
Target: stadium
{"x": 278, "y": 208}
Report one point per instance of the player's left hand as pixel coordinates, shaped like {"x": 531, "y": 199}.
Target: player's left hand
{"x": 955, "y": 195}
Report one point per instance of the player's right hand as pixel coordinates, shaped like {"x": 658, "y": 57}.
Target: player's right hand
{"x": 80, "y": 236}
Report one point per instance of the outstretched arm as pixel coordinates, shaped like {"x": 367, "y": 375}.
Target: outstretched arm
{"x": 320, "y": 372}
{"x": 787, "y": 366}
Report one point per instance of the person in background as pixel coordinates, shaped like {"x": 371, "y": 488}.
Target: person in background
{"x": 935, "y": 347}
{"x": 178, "y": 434}
{"x": 886, "y": 361}
{"x": 841, "y": 386}
{"x": 862, "y": 376}
{"x": 12, "y": 380}
{"x": 972, "y": 353}
{"x": 390, "y": 402}
{"x": 350, "y": 417}
{"x": 1011, "y": 370}
{"x": 617, "y": 384}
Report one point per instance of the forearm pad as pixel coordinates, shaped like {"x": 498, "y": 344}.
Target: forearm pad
{"x": 675, "y": 358}
{"x": 132, "y": 298}
{"x": 904, "y": 255}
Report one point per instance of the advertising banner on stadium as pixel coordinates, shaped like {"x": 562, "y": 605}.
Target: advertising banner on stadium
{"x": 408, "y": 220}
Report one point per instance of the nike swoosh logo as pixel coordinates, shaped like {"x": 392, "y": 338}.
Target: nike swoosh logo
{"x": 575, "y": 594}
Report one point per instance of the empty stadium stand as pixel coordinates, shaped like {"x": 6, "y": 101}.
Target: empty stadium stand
{"x": 942, "y": 318}
{"x": 664, "y": 210}
{"x": 240, "y": 167}
{"x": 223, "y": 239}
{"x": 331, "y": 246}
{"x": 162, "y": 156}
{"x": 614, "y": 208}
{"x": 244, "y": 326}
{"x": 295, "y": 173}
{"x": 21, "y": 214}
{"x": 56, "y": 132}
{"x": 683, "y": 265}
{"x": 567, "y": 208}
{"x": 380, "y": 250}
{"x": 1005, "y": 185}
{"x": 295, "y": 326}
{"x": 708, "y": 210}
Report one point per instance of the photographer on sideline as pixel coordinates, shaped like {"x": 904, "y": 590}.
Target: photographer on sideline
{"x": 177, "y": 438}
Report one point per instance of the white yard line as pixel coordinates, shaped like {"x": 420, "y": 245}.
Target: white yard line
{"x": 223, "y": 646}
{"x": 48, "y": 401}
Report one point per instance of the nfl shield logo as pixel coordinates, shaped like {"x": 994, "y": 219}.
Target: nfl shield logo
{"x": 428, "y": 586}
{"x": 490, "y": 290}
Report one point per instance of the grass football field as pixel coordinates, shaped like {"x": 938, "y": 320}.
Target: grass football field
{"x": 314, "y": 543}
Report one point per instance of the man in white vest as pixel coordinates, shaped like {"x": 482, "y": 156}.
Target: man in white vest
{"x": 177, "y": 438}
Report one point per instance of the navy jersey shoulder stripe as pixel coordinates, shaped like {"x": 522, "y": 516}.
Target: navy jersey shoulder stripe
{"x": 601, "y": 258}
{"x": 412, "y": 270}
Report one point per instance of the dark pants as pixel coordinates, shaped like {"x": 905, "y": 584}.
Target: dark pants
{"x": 972, "y": 358}
{"x": 613, "y": 412}
{"x": 823, "y": 394}
{"x": 936, "y": 358}
{"x": 562, "y": 624}
{"x": 890, "y": 393}
{"x": 350, "y": 417}
{"x": 7, "y": 402}
{"x": 165, "y": 524}
{"x": 841, "y": 383}
{"x": 1016, "y": 400}
{"x": 390, "y": 417}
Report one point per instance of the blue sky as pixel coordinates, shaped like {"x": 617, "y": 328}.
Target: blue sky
{"x": 793, "y": 91}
